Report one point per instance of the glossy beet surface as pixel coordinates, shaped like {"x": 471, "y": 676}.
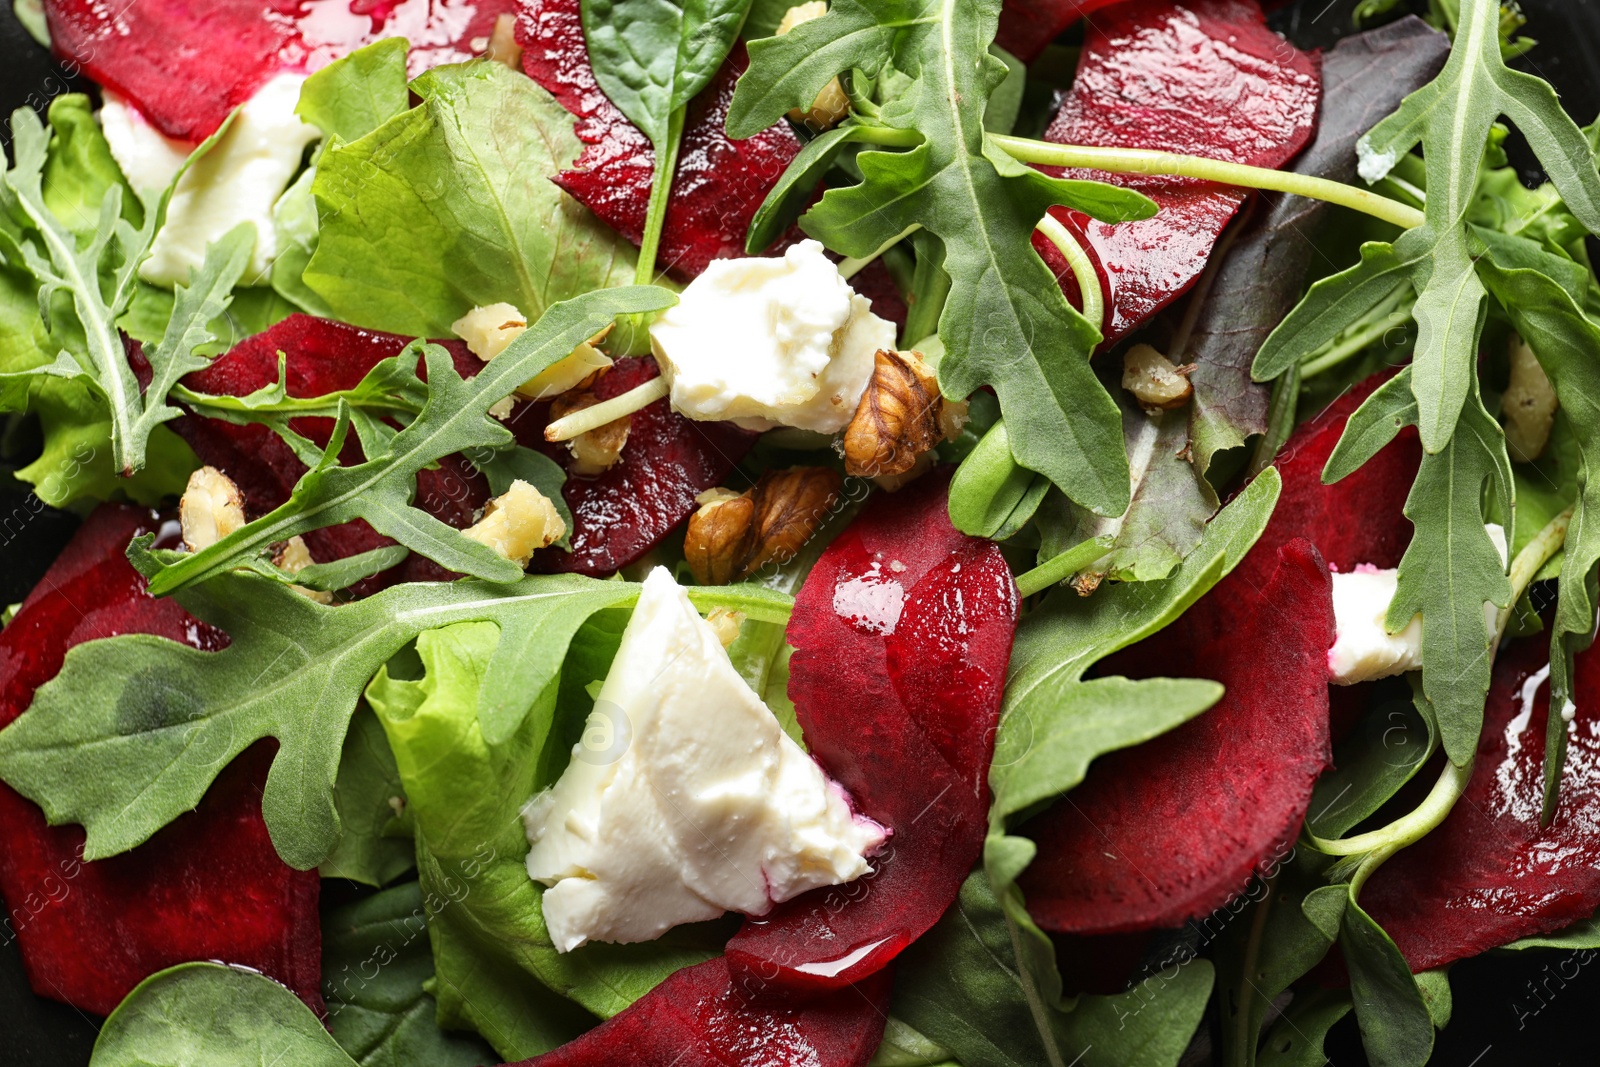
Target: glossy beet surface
{"x": 620, "y": 515}
{"x": 1202, "y": 78}
{"x": 902, "y": 633}
{"x": 719, "y": 183}
{"x": 1027, "y": 26}
{"x": 1191, "y": 815}
{"x": 208, "y": 886}
{"x": 703, "y": 1017}
{"x": 186, "y": 64}
{"x": 1489, "y": 874}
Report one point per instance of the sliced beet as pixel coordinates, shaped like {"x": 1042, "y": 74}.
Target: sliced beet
{"x": 1206, "y": 78}
{"x": 208, "y": 886}
{"x": 669, "y": 460}
{"x": 1490, "y": 874}
{"x": 186, "y": 64}
{"x": 720, "y": 182}
{"x": 1027, "y": 26}
{"x": 1168, "y": 831}
{"x": 902, "y": 633}
{"x": 1192, "y": 814}
{"x": 704, "y": 1017}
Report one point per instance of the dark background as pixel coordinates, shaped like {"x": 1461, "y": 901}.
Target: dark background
{"x": 1498, "y": 1019}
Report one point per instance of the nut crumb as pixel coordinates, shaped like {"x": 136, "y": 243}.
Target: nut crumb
{"x": 1529, "y": 404}
{"x": 832, "y": 104}
{"x": 1154, "y": 381}
{"x": 518, "y": 523}
{"x": 211, "y": 508}
{"x": 502, "y": 46}
{"x": 598, "y": 450}
{"x": 293, "y": 557}
{"x": 726, "y": 623}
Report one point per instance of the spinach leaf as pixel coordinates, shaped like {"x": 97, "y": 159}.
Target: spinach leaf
{"x": 1296, "y": 1039}
{"x": 375, "y": 963}
{"x": 1581, "y": 935}
{"x": 449, "y": 205}
{"x": 216, "y": 1015}
{"x": 1005, "y": 322}
{"x": 369, "y": 798}
{"x": 498, "y": 970}
{"x": 454, "y": 418}
{"x": 960, "y": 985}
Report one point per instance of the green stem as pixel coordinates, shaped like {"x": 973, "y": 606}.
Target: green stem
{"x": 1094, "y": 305}
{"x": 595, "y": 416}
{"x": 1060, "y": 568}
{"x": 1359, "y": 341}
{"x": 849, "y": 268}
{"x": 660, "y": 192}
{"x": 1144, "y": 161}
{"x": 1244, "y": 1033}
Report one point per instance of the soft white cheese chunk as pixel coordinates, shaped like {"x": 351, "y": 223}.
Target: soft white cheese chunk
{"x": 239, "y": 180}
{"x": 685, "y": 798}
{"x": 781, "y": 341}
{"x": 1363, "y": 648}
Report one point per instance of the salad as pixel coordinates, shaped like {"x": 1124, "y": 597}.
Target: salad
{"x": 893, "y": 532}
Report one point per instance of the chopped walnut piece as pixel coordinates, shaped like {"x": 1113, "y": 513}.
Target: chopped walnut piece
{"x": 1529, "y": 404}
{"x": 733, "y": 535}
{"x": 598, "y": 450}
{"x": 518, "y": 523}
{"x": 211, "y": 508}
{"x": 293, "y": 556}
{"x": 489, "y": 330}
{"x": 726, "y": 623}
{"x": 901, "y": 416}
{"x": 831, "y": 104}
{"x": 1154, "y": 381}
{"x": 503, "y": 46}
{"x": 570, "y": 372}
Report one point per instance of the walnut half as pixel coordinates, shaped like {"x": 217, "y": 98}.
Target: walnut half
{"x": 733, "y": 535}
{"x": 902, "y": 415}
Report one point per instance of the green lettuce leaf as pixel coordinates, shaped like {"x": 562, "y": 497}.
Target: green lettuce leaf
{"x": 498, "y": 970}
{"x": 369, "y": 798}
{"x": 449, "y": 205}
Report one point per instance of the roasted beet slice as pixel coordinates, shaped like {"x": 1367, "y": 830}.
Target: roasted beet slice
{"x": 1170, "y": 830}
{"x": 1027, "y": 26}
{"x": 669, "y": 460}
{"x": 704, "y": 1017}
{"x": 1490, "y": 874}
{"x": 1190, "y": 815}
{"x": 1206, "y": 78}
{"x": 209, "y": 886}
{"x": 720, "y": 182}
{"x": 186, "y": 64}
{"x": 902, "y": 633}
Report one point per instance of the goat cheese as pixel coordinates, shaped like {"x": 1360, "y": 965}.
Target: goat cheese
{"x": 239, "y": 180}
{"x": 781, "y": 341}
{"x": 685, "y": 798}
{"x": 1363, "y": 648}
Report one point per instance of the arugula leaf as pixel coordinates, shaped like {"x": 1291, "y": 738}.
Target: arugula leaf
{"x": 96, "y": 279}
{"x": 1297, "y": 1038}
{"x": 455, "y": 418}
{"x": 448, "y": 205}
{"x": 494, "y": 956}
{"x": 1005, "y": 322}
{"x": 1565, "y": 340}
{"x": 217, "y": 1015}
{"x": 960, "y": 985}
{"x": 364, "y": 794}
{"x": 375, "y": 962}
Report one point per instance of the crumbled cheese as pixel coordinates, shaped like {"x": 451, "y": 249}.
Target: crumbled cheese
{"x": 1363, "y": 648}
{"x": 239, "y": 180}
{"x": 780, "y": 341}
{"x": 518, "y": 523}
{"x": 685, "y": 798}
{"x": 211, "y": 508}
